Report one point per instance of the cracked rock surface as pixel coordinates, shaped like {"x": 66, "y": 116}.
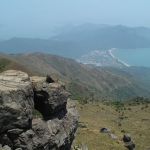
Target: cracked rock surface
{"x": 16, "y": 100}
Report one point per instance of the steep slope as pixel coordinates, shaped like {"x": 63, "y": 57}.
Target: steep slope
{"x": 82, "y": 81}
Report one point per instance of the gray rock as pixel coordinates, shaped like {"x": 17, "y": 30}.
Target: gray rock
{"x": 146, "y": 119}
{"x": 105, "y": 130}
{"x": 49, "y": 79}
{"x": 80, "y": 147}
{"x": 82, "y": 125}
{"x": 6, "y": 147}
{"x": 127, "y": 137}
{"x": 16, "y": 100}
{"x": 130, "y": 145}
{"x": 54, "y": 133}
{"x": 108, "y": 131}
{"x": 128, "y": 142}
{"x": 49, "y": 97}
{"x": 116, "y": 121}
{"x": 5, "y": 140}
{"x": 66, "y": 127}
{"x": 113, "y": 136}
{"x": 30, "y": 140}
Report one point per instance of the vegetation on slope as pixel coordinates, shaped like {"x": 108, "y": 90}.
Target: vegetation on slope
{"x": 140, "y": 81}
{"x": 5, "y": 64}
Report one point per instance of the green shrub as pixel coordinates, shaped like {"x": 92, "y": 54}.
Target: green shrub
{"x": 123, "y": 131}
{"x": 36, "y": 112}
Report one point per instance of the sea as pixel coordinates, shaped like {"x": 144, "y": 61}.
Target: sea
{"x": 133, "y": 57}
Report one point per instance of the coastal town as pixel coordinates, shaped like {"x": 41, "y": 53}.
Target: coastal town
{"x": 101, "y": 58}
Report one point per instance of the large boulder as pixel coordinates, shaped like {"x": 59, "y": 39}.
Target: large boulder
{"x": 16, "y": 100}
{"x": 49, "y": 97}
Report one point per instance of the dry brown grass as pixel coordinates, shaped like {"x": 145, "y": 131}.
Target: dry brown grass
{"x": 100, "y": 115}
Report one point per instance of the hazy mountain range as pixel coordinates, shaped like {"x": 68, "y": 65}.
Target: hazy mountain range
{"x": 74, "y": 41}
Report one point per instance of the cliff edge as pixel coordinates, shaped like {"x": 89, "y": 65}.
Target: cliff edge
{"x": 19, "y": 129}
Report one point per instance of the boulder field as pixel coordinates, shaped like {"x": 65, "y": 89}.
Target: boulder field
{"x": 19, "y": 129}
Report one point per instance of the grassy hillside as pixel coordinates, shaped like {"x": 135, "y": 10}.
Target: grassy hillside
{"x": 83, "y": 82}
{"x": 120, "y": 117}
{"x": 6, "y": 64}
{"x": 138, "y": 75}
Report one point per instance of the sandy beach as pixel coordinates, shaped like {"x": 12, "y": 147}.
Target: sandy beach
{"x": 110, "y": 52}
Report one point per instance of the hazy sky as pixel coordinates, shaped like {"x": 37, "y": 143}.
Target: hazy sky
{"x": 36, "y": 18}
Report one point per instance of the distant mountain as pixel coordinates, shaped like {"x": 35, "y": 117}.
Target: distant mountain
{"x": 83, "y": 82}
{"x": 20, "y": 45}
{"x": 74, "y": 41}
{"x": 143, "y": 31}
{"x": 2, "y": 40}
{"x": 84, "y": 27}
{"x": 106, "y": 38}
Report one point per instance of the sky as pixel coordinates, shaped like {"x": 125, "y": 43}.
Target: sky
{"x": 37, "y": 18}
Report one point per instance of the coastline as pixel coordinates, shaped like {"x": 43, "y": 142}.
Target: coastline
{"x": 110, "y": 52}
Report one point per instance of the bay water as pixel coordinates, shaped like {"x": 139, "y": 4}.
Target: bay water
{"x": 133, "y": 57}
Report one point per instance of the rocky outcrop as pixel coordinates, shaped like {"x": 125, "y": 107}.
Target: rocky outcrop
{"x": 18, "y": 96}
